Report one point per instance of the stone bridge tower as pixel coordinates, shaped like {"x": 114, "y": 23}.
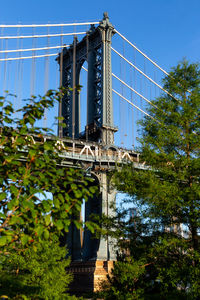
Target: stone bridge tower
{"x": 95, "y": 48}
{"x": 91, "y": 258}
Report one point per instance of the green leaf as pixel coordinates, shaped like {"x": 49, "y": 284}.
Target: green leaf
{"x": 73, "y": 186}
{"x": 2, "y": 215}
{"x": 9, "y": 238}
{"x": 89, "y": 226}
{"x": 56, "y": 202}
{"x": 12, "y": 177}
{"x": 60, "y": 196}
{"x": 47, "y": 146}
{"x": 24, "y": 239}
{"x": 14, "y": 190}
{"x": 78, "y": 224}
{"x": 39, "y": 230}
{"x": 78, "y": 194}
{"x": 47, "y": 219}
{"x": 3, "y": 196}
{"x": 92, "y": 189}
{"x": 3, "y": 241}
{"x": 46, "y": 234}
{"x": 59, "y": 224}
{"x": 14, "y": 220}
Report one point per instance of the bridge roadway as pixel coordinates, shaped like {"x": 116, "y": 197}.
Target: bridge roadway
{"x": 92, "y": 155}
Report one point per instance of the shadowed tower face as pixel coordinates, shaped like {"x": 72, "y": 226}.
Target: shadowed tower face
{"x": 95, "y": 48}
{"x": 82, "y": 244}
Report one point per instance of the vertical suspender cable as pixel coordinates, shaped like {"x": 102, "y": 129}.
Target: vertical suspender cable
{"x": 57, "y": 75}
{"x": 126, "y": 110}
{"x": 9, "y": 87}
{"x": 141, "y": 78}
{"x": 17, "y": 64}
{"x": 33, "y": 67}
{"x": 60, "y": 129}
{"x": 134, "y": 115}
{"x": 144, "y": 83}
{"x": 120, "y": 112}
{"x": 142, "y": 91}
{"x": 1, "y": 57}
{"x": 74, "y": 88}
{"x": 87, "y": 49}
{"x": 46, "y": 76}
{"x": 137, "y": 83}
{"x": 132, "y": 111}
{"x": 5, "y": 68}
{"x": 46, "y": 82}
{"x": 18, "y": 82}
{"x": 20, "y": 75}
{"x": 155, "y": 85}
{"x": 135, "y": 87}
{"x": 124, "y": 94}
{"x": 8, "y": 77}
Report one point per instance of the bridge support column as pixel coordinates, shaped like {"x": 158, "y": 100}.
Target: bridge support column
{"x": 106, "y": 247}
{"x": 94, "y": 261}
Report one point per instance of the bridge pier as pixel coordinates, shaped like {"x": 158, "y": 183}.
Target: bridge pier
{"x": 88, "y": 276}
{"x": 108, "y": 195}
{"x": 92, "y": 258}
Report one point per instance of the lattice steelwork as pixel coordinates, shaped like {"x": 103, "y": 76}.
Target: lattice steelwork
{"x": 98, "y": 87}
{"x": 66, "y": 102}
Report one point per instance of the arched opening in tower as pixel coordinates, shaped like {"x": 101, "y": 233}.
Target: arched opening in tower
{"x": 83, "y": 96}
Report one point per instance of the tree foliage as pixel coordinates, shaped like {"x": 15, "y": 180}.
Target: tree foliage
{"x": 31, "y": 172}
{"x": 166, "y": 191}
{"x": 38, "y": 272}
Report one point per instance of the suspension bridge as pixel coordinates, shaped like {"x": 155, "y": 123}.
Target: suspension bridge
{"x": 28, "y": 67}
{"x": 118, "y": 83}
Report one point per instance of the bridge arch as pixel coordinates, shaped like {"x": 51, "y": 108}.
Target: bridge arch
{"x": 81, "y": 243}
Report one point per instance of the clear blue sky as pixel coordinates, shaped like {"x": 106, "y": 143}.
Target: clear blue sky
{"x": 166, "y": 30}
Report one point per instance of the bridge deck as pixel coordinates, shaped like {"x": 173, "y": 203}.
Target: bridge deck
{"x": 80, "y": 153}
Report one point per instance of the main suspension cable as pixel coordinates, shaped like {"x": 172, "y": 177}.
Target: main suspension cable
{"x": 140, "y": 95}
{"x": 33, "y": 49}
{"x": 142, "y": 53}
{"x": 131, "y": 90}
{"x": 28, "y": 57}
{"x": 153, "y": 62}
{"x": 135, "y": 106}
{"x": 41, "y": 35}
{"x": 141, "y": 72}
{"x": 47, "y": 25}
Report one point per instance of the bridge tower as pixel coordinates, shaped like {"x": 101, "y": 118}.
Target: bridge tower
{"x": 91, "y": 258}
{"x": 95, "y": 48}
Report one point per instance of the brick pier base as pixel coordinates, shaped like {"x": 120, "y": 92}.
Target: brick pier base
{"x": 89, "y": 275}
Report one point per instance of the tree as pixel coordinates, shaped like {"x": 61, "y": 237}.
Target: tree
{"x": 167, "y": 190}
{"x": 39, "y": 272}
{"x": 30, "y": 169}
